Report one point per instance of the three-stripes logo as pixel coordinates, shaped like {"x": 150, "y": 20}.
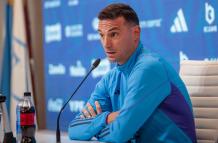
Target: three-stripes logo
{"x": 179, "y": 24}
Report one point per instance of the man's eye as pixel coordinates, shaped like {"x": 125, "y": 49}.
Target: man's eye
{"x": 114, "y": 34}
{"x": 101, "y": 35}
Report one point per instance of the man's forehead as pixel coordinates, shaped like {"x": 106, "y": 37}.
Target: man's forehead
{"x": 108, "y": 24}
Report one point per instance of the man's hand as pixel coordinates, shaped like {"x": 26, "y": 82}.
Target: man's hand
{"x": 112, "y": 116}
{"x": 90, "y": 112}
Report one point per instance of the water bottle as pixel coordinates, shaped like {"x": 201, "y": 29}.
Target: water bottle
{"x": 18, "y": 128}
{"x": 27, "y": 119}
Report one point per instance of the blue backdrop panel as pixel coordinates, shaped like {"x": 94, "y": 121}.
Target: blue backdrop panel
{"x": 177, "y": 30}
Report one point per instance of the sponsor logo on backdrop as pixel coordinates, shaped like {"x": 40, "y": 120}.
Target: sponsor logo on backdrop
{"x": 95, "y": 23}
{"x": 183, "y": 56}
{"x": 73, "y": 2}
{"x": 179, "y": 23}
{"x": 55, "y": 105}
{"x": 154, "y": 23}
{"x": 102, "y": 69}
{"x": 76, "y": 105}
{"x": 52, "y": 4}
{"x": 56, "y": 69}
{"x": 78, "y": 70}
{"x": 211, "y": 59}
{"x": 94, "y": 36}
{"x": 210, "y": 18}
{"x": 74, "y": 30}
{"x": 53, "y": 33}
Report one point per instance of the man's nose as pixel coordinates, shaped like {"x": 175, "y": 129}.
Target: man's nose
{"x": 107, "y": 42}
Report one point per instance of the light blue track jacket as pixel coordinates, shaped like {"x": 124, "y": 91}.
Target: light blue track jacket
{"x": 153, "y": 102}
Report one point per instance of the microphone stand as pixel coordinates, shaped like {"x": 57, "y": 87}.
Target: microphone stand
{"x": 58, "y": 136}
{"x": 8, "y": 136}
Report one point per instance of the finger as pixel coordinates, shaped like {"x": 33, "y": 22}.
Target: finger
{"x": 98, "y": 107}
{"x": 82, "y": 116}
{"x": 86, "y": 113}
{"x": 91, "y": 110}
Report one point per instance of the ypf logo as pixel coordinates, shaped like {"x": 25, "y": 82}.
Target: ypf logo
{"x": 209, "y": 13}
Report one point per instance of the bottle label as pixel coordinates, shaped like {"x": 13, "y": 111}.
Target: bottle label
{"x": 27, "y": 119}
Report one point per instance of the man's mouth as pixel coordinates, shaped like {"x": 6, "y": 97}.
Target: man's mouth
{"x": 110, "y": 52}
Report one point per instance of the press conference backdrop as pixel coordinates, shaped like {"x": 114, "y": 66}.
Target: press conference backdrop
{"x": 176, "y": 29}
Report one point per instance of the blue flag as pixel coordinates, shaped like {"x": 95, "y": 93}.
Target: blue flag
{"x": 6, "y": 52}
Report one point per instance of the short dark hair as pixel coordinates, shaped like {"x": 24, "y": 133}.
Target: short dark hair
{"x": 116, "y": 10}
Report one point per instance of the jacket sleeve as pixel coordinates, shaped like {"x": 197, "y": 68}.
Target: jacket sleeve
{"x": 85, "y": 129}
{"x": 147, "y": 88}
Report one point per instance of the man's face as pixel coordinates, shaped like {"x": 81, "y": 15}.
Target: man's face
{"x": 118, "y": 38}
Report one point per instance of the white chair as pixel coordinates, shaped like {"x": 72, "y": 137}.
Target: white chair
{"x": 201, "y": 80}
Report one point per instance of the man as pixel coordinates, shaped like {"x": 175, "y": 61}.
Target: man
{"x": 142, "y": 99}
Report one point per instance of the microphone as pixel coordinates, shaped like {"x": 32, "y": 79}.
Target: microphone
{"x": 94, "y": 65}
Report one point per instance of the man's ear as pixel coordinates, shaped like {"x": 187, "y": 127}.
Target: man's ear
{"x": 137, "y": 31}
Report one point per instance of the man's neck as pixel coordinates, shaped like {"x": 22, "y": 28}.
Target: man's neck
{"x": 133, "y": 50}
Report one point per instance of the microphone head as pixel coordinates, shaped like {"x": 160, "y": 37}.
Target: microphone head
{"x": 96, "y": 63}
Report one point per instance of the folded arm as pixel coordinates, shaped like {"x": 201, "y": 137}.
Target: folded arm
{"x": 147, "y": 88}
{"x": 93, "y": 117}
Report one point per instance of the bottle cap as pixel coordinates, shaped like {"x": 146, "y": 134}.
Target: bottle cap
{"x": 27, "y": 93}
{"x": 2, "y": 98}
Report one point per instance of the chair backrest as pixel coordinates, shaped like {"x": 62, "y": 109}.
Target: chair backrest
{"x": 201, "y": 80}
